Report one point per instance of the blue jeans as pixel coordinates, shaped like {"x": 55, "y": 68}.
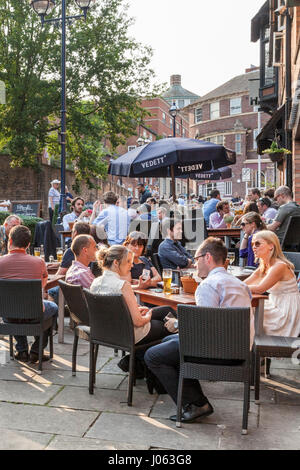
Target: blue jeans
{"x": 54, "y": 293}
{"x": 51, "y": 310}
{"x": 164, "y": 361}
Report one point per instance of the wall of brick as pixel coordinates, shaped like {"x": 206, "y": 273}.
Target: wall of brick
{"x": 27, "y": 184}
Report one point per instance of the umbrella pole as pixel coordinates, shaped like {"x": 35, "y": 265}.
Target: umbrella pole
{"x": 173, "y": 183}
{"x": 188, "y": 189}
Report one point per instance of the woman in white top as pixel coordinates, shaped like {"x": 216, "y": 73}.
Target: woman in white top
{"x": 116, "y": 263}
{"x": 275, "y": 275}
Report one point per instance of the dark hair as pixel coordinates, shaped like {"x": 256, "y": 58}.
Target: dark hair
{"x": 136, "y": 238}
{"x": 80, "y": 242}
{"x": 93, "y": 233}
{"x": 251, "y": 207}
{"x": 106, "y": 256}
{"x": 169, "y": 223}
{"x": 256, "y": 218}
{"x": 265, "y": 201}
{"x": 270, "y": 193}
{"x": 216, "y": 247}
{"x": 110, "y": 197}
{"x": 20, "y": 236}
{"x": 81, "y": 228}
{"x": 214, "y": 193}
{"x": 221, "y": 204}
{"x": 78, "y": 198}
{"x": 255, "y": 191}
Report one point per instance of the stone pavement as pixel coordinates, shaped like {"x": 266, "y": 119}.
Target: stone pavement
{"x": 55, "y": 411}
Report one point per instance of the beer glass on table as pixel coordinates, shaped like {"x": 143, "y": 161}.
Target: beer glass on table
{"x": 59, "y": 254}
{"x": 231, "y": 257}
{"x": 167, "y": 279}
{"x": 37, "y": 251}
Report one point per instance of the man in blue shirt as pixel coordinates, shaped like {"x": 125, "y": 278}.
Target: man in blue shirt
{"x": 115, "y": 219}
{"x": 172, "y": 254}
{"x": 219, "y": 289}
{"x": 210, "y": 206}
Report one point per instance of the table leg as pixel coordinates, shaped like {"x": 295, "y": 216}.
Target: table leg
{"x": 61, "y": 316}
{"x": 227, "y": 241}
{"x": 259, "y": 317}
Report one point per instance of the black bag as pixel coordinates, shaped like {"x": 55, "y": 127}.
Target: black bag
{"x": 139, "y": 366}
{"x": 153, "y": 383}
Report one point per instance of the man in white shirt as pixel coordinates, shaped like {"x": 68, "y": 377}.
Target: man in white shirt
{"x": 77, "y": 206}
{"x": 267, "y": 212}
{"x": 53, "y": 197}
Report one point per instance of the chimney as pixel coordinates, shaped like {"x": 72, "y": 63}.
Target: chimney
{"x": 252, "y": 68}
{"x": 175, "y": 80}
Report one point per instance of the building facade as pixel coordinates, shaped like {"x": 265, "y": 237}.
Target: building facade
{"x": 179, "y": 95}
{"x": 226, "y": 116}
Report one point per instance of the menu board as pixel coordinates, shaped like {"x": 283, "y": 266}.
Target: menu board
{"x": 29, "y": 208}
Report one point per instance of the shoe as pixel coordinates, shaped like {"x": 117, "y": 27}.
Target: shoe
{"x": 193, "y": 412}
{"x": 124, "y": 363}
{"x": 22, "y": 356}
{"x": 33, "y": 357}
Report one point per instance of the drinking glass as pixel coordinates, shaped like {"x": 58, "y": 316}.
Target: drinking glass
{"x": 59, "y": 254}
{"x": 167, "y": 278}
{"x": 37, "y": 252}
{"x": 231, "y": 257}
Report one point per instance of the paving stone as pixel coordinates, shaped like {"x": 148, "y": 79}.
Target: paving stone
{"x": 280, "y": 417}
{"x": 114, "y": 401}
{"x": 286, "y": 391}
{"x": 283, "y": 363}
{"x": 259, "y": 439}
{"x": 111, "y": 367}
{"x": 45, "y": 419}
{"x": 155, "y": 433}
{"x": 64, "y": 362}
{"x": 20, "y": 374}
{"x": 22, "y": 440}
{"x": 225, "y": 411}
{"x": 234, "y": 391}
{"x": 64, "y": 377}
{"x": 27, "y": 392}
{"x": 140, "y": 386}
{"x": 66, "y": 349}
{"x": 73, "y": 443}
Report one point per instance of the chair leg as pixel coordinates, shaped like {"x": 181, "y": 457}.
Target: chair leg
{"x": 51, "y": 343}
{"x": 40, "y": 353}
{"x": 257, "y": 377}
{"x": 268, "y": 366}
{"x": 91, "y": 369}
{"x": 74, "y": 353}
{"x": 11, "y": 347}
{"x": 95, "y": 361}
{"x": 131, "y": 378}
{"x": 116, "y": 351}
{"x": 179, "y": 401}
{"x": 246, "y": 407}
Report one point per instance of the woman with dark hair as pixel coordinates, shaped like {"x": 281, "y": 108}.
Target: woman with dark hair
{"x": 251, "y": 224}
{"x": 137, "y": 243}
{"x": 249, "y": 207}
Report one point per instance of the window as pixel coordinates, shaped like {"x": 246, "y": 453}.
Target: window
{"x": 180, "y": 103}
{"x": 235, "y": 106}
{"x": 216, "y": 139}
{"x": 238, "y": 143}
{"x": 164, "y": 116}
{"x": 255, "y": 134}
{"x": 183, "y": 132}
{"x": 214, "y": 110}
{"x": 228, "y": 188}
{"x": 171, "y": 123}
{"x": 198, "y": 115}
{"x": 131, "y": 147}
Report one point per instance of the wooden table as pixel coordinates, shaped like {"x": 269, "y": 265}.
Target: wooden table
{"x": 173, "y": 300}
{"x": 226, "y": 233}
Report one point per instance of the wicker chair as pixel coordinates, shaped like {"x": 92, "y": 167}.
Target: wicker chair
{"x": 271, "y": 346}
{"x": 21, "y": 305}
{"x": 111, "y": 326}
{"x": 214, "y": 345}
{"x": 79, "y": 315}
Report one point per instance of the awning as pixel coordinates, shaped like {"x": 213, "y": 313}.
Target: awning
{"x": 266, "y": 136}
{"x": 260, "y": 19}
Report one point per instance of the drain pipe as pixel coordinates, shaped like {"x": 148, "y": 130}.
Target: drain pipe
{"x": 288, "y": 89}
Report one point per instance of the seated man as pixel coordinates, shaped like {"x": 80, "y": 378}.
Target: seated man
{"x": 287, "y": 208}
{"x": 19, "y": 265}
{"x": 84, "y": 248}
{"x": 210, "y": 206}
{"x": 172, "y": 254}
{"x": 267, "y": 212}
{"x": 219, "y": 289}
{"x": 216, "y": 219}
{"x": 10, "y": 222}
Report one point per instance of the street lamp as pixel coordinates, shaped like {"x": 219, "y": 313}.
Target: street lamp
{"x": 43, "y": 8}
{"x": 173, "y": 112}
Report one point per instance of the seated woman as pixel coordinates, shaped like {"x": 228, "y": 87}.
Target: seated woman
{"x": 276, "y": 276}
{"x": 251, "y": 224}
{"x": 249, "y": 207}
{"x": 137, "y": 243}
{"x": 116, "y": 263}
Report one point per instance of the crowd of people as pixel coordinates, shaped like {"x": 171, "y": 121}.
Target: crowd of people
{"x": 110, "y": 253}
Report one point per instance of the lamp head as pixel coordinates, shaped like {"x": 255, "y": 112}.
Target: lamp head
{"x": 85, "y": 4}
{"x": 173, "y": 110}
{"x": 42, "y": 7}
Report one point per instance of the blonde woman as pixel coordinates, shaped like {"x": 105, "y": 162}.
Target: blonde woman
{"x": 275, "y": 275}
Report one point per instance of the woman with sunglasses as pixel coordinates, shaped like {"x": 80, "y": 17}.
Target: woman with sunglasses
{"x": 275, "y": 275}
{"x": 251, "y": 224}
{"x": 142, "y": 272}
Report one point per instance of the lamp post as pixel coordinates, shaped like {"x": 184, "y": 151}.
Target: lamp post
{"x": 43, "y": 8}
{"x": 173, "y": 112}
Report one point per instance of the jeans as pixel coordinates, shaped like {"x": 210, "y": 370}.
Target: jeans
{"x": 51, "y": 310}
{"x": 54, "y": 293}
{"x": 163, "y": 360}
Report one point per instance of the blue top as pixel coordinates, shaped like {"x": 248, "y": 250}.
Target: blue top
{"x": 208, "y": 208}
{"x": 248, "y": 253}
{"x": 172, "y": 255}
{"x": 68, "y": 258}
{"x": 116, "y": 221}
{"x": 222, "y": 289}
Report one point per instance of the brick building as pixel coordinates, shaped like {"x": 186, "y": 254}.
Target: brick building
{"x": 179, "y": 95}
{"x": 277, "y": 26}
{"x": 225, "y": 116}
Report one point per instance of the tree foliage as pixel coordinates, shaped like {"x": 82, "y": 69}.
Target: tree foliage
{"x": 107, "y": 72}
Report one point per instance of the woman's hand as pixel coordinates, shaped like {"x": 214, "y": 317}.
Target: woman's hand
{"x": 144, "y": 284}
{"x": 143, "y": 310}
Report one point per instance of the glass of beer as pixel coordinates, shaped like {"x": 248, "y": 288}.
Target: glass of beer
{"x": 59, "y": 254}
{"x": 167, "y": 278}
{"x": 37, "y": 252}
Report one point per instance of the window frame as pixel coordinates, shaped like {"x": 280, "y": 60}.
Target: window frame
{"x": 211, "y": 112}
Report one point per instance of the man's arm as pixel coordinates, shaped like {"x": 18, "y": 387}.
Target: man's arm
{"x": 178, "y": 259}
{"x": 274, "y": 226}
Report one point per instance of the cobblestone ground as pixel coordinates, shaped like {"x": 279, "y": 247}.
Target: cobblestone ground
{"x": 55, "y": 411}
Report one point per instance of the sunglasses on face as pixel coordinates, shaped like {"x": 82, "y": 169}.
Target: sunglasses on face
{"x": 256, "y": 244}
{"x": 244, "y": 223}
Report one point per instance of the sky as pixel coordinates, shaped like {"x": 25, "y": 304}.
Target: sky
{"x": 205, "y": 41}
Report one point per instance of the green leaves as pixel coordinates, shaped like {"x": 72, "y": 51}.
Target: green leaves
{"x": 107, "y": 72}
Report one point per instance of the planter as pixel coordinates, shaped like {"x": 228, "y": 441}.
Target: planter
{"x": 189, "y": 285}
{"x": 276, "y": 156}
